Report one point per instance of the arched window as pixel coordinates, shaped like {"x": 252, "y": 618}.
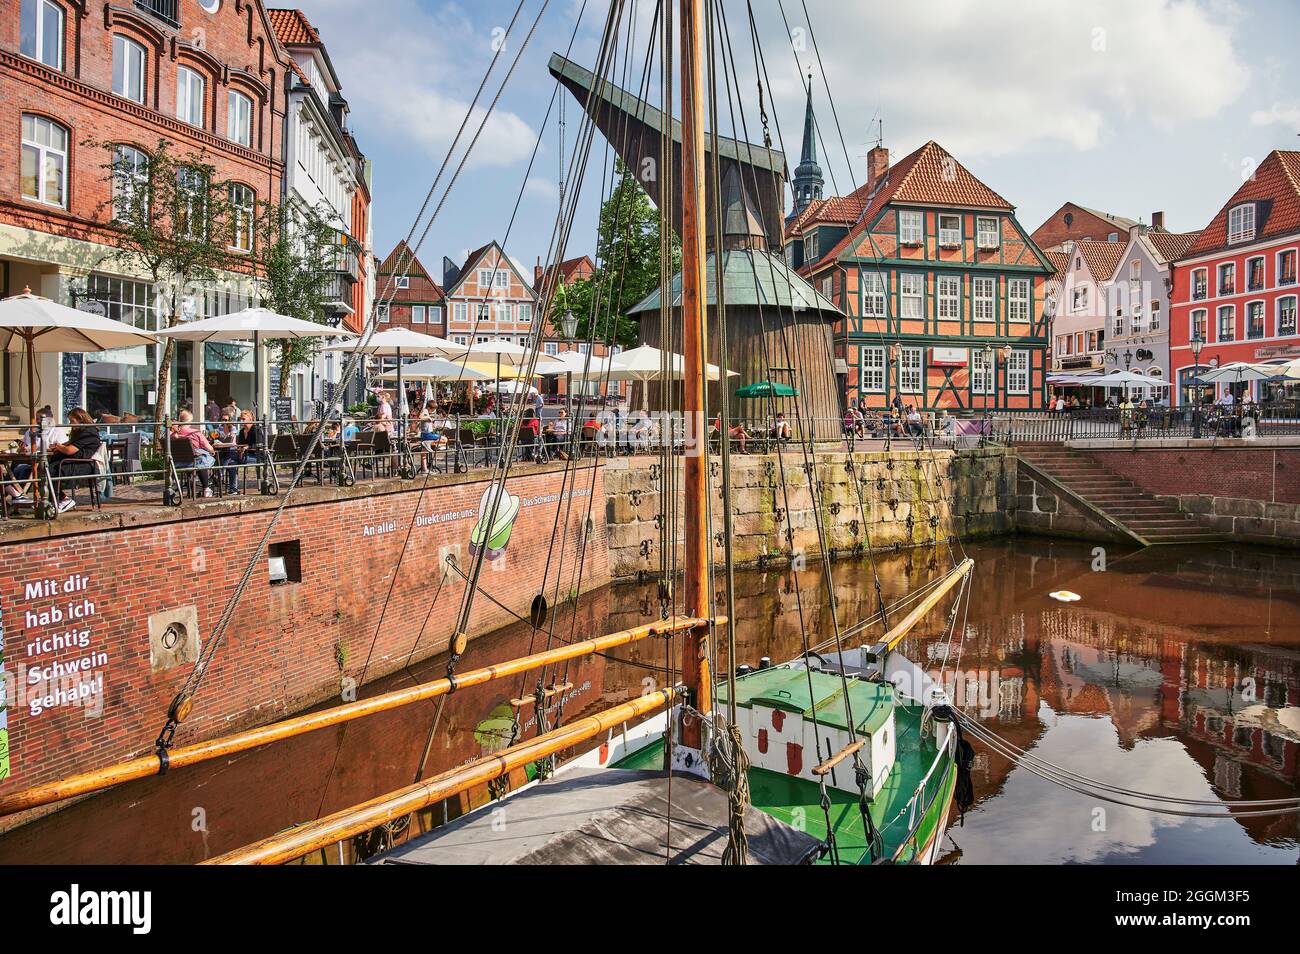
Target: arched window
{"x": 42, "y": 32}
{"x": 130, "y": 181}
{"x": 239, "y": 118}
{"x": 190, "y": 87}
{"x": 45, "y": 160}
{"x": 128, "y": 68}
{"x": 242, "y": 205}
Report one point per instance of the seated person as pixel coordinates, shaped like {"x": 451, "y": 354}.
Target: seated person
{"x": 781, "y": 429}
{"x": 351, "y": 431}
{"x": 739, "y": 436}
{"x": 530, "y": 431}
{"x": 76, "y": 456}
{"x": 205, "y": 455}
{"x": 44, "y": 435}
{"x": 249, "y": 447}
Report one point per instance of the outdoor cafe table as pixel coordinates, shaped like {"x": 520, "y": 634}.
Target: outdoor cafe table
{"x": 39, "y": 476}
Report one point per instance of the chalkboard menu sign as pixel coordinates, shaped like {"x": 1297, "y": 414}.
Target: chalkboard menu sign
{"x": 283, "y": 410}
{"x": 74, "y": 378}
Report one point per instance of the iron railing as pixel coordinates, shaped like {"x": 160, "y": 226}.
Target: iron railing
{"x": 165, "y": 10}
{"x": 1157, "y": 423}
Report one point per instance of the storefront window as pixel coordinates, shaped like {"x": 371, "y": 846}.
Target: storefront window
{"x": 122, "y": 381}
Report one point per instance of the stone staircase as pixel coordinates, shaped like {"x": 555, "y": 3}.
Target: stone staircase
{"x": 1145, "y": 517}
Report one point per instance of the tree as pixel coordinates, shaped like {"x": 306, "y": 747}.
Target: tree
{"x": 627, "y": 248}
{"x": 171, "y": 218}
{"x": 299, "y": 256}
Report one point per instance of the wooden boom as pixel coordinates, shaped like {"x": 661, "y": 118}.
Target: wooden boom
{"x": 908, "y": 622}
{"x": 314, "y": 835}
{"x": 147, "y": 765}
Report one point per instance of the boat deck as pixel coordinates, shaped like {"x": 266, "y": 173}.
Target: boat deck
{"x": 907, "y": 831}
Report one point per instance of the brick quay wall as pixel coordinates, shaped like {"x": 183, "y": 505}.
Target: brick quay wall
{"x": 104, "y": 613}
{"x": 102, "y": 620}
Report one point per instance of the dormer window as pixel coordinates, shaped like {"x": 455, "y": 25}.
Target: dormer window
{"x": 810, "y": 246}
{"x": 1241, "y": 223}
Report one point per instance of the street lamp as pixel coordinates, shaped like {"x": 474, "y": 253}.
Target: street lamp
{"x": 1197, "y": 344}
{"x": 568, "y": 330}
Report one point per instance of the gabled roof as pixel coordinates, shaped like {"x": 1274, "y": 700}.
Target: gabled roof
{"x": 928, "y": 176}
{"x": 403, "y": 261}
{"x": 472, "y": 259}
{"x": 292, "y": 28}
{"x": 835, "y": 210}
{"x": 1102, "y": 258}
{"x": 1171, "y": 245}
{"x": 1275, "y": 188}
{"x": 1060, "y": 260}
{"x": 1123, "y": 221}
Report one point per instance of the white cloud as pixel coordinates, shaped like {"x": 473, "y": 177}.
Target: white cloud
{"x": 1277, "y": 115}
{"x": 410, "y": 73}
{"x": 995, "y": 78}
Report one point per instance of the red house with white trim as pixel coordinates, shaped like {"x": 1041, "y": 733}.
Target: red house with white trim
{"x": 1236, "y": 287}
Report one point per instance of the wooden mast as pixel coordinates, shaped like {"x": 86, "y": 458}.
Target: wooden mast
{"x": 695, "y": 591}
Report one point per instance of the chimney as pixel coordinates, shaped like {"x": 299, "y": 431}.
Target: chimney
{"x": 1157, "y": 220}
{"x": 877, "y": 166}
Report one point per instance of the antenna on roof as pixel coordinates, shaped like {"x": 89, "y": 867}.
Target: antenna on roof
{"x": 880, "y": 131}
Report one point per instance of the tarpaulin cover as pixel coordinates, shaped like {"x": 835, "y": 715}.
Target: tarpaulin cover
{"x": 609, "y": 817}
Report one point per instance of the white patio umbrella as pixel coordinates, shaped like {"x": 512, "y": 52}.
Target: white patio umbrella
{"x": 252, "y": 324}
{"x": 438, "y": 369}
{"x": 1237, "y": 371}
{"x": 645, "y": 364}
{"x": 31, "y": 325}
{"x": 397, "y": 343}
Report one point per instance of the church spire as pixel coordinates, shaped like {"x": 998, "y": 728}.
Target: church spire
{"x": 807, "y": 182}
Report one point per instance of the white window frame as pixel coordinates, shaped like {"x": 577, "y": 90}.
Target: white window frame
{"x": 484, "y": 278}
{"x": 1263, "y": 270}
{"x": 1199, "y": 317}
{"x": 873, "y": 366}
{"x": 1079, "y": 298}
{"x": 1257, "y": 305}
{"x": 1018, "y": 296}
{"x": 125, "y": 51}
{"x": 1201, "y": 283}
{"x": 434, "y": 314}
{"x": 402, "y": 281}
{"x": 1231, "y": 312}
{"x": 1295, "y": 267}
{"x": 385, "y": 314}
{"x": 502, "y": 277}
{"x": 241, "y": 226}
{"x": 1225, "y": 268}
{"x": 949, "y": 300}
{"x": 417, "y": 314}
{"x": 983, "y": 377}
{"x": 38, "y": 9}
{"x": 502, "y": 314}
{"x": 42, "y": 154}
{"x": 551, "y": 348}
{"x": 911, "y": 370}
{"x": 810, "y": 246}
{"x": 1153, "y": 322}
{"x": 190, "y": 108}
{"x": 130, "y": 171}
{"x": 460, "y": 312}
{"x": 1018, "y": 372}
{"x": 875, "y": 290}
{"x": 986, "y": 230}
{"x": 239, "y": 118}
{"x": 1117, "y": 326}
{"x": 1281, "y": 302}
{"x": 911, "y": 295}
{"x": 911, "y": 227}
{"x": 949, "y": 237}
{"x": 984, "y": 302}
{"x": 1241, "y": 223}
{"x": 525, "y": 314}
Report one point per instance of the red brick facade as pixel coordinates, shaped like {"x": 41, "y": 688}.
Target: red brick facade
{"x": 1261, "y": 473}
{"x": 1075, "y": 223}
{"x": 288, "y": 645}
{"x": 412, "y": 294}
{"x": 233, "y": 49}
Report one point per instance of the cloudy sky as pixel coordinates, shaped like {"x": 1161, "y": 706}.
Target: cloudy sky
{"x": 1124, "y": 105}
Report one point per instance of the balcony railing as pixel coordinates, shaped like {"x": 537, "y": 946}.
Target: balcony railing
{"x": 166, "y": 10}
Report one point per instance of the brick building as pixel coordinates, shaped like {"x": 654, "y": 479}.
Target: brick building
{"x": 488, "y": 296}
{"x": 1236, "y": 286}
{"x": 206, "y": 77}
{"x": 942, "y": 289}
{"x": 412, "y": 299}
{"x": 1076, "y": 223}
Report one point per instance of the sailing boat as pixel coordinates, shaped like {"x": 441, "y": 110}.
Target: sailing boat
{"x": 851, "y": 755}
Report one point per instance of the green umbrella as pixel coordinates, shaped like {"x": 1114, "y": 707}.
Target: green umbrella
{"x": 763, "y": 389}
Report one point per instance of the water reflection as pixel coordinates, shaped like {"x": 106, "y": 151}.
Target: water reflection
{"x": 1178, "y": 671}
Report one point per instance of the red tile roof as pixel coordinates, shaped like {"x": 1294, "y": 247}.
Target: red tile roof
{"x": 928, "y": 176}
{"x": 1275, "y": 188}
{"x": 292, "y": 28}
{"x": 1102, "y": 258}
{"x": 1172, "y": 245}
{"x": 1060, "y": 260}
{"x": 836, "y": 210}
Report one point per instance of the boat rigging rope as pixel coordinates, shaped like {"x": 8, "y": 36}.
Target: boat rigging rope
{"x": 1118, "y": 795}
